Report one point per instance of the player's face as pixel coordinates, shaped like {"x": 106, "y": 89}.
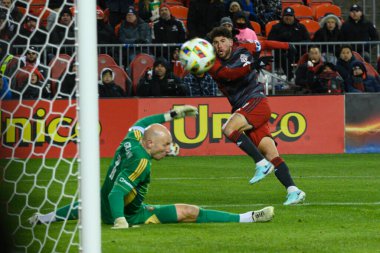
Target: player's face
{"x": 161, "y": 146}
{"x": 223, "y": 47}
{"x": 345, "y": 54}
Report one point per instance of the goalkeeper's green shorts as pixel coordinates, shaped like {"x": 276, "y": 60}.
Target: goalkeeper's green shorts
{"x": 153, "y": 214}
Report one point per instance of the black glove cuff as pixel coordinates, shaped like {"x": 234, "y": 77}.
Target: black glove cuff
{"x": 173, "y": 114}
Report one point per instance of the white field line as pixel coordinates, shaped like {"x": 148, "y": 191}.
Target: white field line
{"x": 304, "y": 204}
{"x": 223, "y": 178}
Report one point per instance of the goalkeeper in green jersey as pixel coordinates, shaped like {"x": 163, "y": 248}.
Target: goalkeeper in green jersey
{"x": 126, "y": 184}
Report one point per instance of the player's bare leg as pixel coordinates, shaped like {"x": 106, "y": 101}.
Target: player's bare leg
{"x": 269, "y": 150}
{"x": 191, "y": 213}
{"x": 234, "y": 130}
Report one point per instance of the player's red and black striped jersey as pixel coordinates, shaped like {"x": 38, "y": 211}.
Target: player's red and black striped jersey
{"x": 236, "y": 79}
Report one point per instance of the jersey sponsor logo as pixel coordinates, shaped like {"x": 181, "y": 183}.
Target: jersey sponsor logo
{"x": 124, "y": 181}
{"x": 288, "y": 127}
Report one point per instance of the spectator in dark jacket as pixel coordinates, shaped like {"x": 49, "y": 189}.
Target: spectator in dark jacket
{"x": 268, "y": 10}
{"x": 63, "y": 33}
{"x": 329, "y": 32}
{"x": 134, "y": 30}
{"x": 107, "y": 86}
{"x": 357, "y": 28}
{"x": 168, "y": 29}
{"x": 289, "y": 29}
{"x": 204, "y": 15}
{"x": 29, "y": 32}
{"x": 161, "y": 82}
{"x": 118, "y": 10}
{"x": 15, "y": 14}
{"x": 67, "y": 86}
{"x": 362, "y": 81}
{"x": 343, "y": 65}
{"x": 106, "y": 33}
{"x": 30, "y": 85}
{"x": 327, "y": 80}
{"x": 7, "y": 30}
{"x": 306, "y": 72}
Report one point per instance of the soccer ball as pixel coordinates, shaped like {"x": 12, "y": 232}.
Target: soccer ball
{"x": 197, "y": 56}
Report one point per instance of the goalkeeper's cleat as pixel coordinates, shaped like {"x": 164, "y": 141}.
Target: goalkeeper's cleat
{"x": 261, "y": 172}
{"x": 295, "y": 197}
{"x": 263, "y": 215}
{"x": 35, "y": 219}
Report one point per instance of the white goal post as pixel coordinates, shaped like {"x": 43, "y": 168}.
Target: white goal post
{"x": 89, "y": 168}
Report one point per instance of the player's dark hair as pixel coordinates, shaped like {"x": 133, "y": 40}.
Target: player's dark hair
{"x": 220, "y": 32}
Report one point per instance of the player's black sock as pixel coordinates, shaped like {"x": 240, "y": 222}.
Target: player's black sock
{"x": 245, "y": 144}
{"x": 282, "y": 172}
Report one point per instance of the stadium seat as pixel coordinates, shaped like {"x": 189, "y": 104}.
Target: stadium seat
{"x": 311, "y": 26}
{"x": 256, "y": 26}
{"x": 138, "y": 67}
{"x": 22, "y": 10}
{"x": 269, "y": 25}
{"x": 303, "y": 59}
{"x": 58, "y": 66}
{"x": 302, "y": 12}
{"x": 321, "y": 10}
{"x": 179, "y": 12}
{"x": 105, "y": 60}
{"x": 121, "y": 78}
{"x": 287, "y": 3}
{"x": 371, "y": 70}
{"x": 312, "y": 3}
{"x": 358, "y": 56}
{"x": 173, "y": 2}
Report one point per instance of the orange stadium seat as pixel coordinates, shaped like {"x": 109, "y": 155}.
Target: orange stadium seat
{"x": 358, "y": 56}
{"x": 138, "y": 67}
{"x": 321, "y": 10}
{"x": 256, "y": 26}
{"x": 173, "y": 2}
{"x": 312, "y": 3}
{"x": 287, "y": 3}
{"x": 302, "y": 12}
{"x": 105, "y": 60}
{"x": 179, "y": 12}
{"x": 371, "y": 70}
{"x": 178, "y": 70}
{"x": 311, "y": 25}
{"x": 58, "y": 66}
{"x": 268, "y": 26}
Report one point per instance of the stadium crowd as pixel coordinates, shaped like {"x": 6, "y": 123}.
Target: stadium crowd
{"x": 37, "y": 46}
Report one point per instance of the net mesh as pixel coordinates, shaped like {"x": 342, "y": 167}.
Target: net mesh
{"x": 39, "y": 170}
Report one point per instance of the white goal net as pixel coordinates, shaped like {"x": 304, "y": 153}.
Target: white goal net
{"x": 40, "y": 166}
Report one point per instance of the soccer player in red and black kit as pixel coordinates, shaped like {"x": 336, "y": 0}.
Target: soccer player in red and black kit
{"x": 235, "y": 70}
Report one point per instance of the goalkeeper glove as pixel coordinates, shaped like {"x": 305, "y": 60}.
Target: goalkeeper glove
{"x": 120, "y": 223}
{"x": 174, "y": 149}
{"x": 261, "y": 62}
{"x": 181, "y": 112}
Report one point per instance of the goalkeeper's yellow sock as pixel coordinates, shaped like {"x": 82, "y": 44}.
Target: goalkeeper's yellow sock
{"x": 206, "y": 216}
{"x": 67, "y": 212}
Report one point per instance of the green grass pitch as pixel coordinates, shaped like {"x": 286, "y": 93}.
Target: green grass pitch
{"x": 341, "y": 212}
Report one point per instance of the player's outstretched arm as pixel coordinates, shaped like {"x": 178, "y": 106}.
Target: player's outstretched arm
{"x": 181, "y": 112}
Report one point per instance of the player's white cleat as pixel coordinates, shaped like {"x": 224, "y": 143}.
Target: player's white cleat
{"x": 295, "y": 197}
{"x": 261, "y": 172}
{"x": 35, "y": 219}
{"x": 263, "y": 215}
